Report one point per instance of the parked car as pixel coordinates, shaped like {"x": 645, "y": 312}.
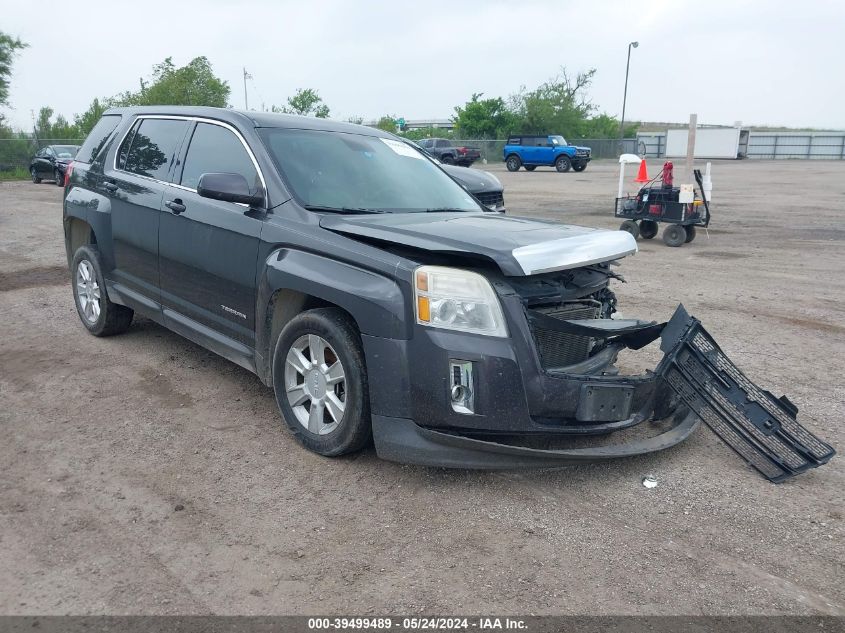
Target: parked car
{"x": 551, "y": 151}
{"x": 49, "y": 163}
{"x": 379, "y": 299}
{"x": 448, "y": 153}
{"x": 482, "y": 184}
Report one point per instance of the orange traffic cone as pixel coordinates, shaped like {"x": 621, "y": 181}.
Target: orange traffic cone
{"x": 642, "y": 176}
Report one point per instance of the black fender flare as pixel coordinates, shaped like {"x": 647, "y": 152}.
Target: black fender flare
{"x": 376, "y": 302}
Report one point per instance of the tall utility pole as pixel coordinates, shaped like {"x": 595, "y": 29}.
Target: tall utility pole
{"x": 625, "y": 94}
{"x": 246, "y": 100}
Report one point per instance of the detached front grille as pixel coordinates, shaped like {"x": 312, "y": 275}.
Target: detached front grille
{"x": 491, "y": 198}
{"x": 557, "y": 349}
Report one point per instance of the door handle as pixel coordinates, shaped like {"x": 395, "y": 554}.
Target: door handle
{"x": 175, "y": 206}
{"x": 110, "y": 187}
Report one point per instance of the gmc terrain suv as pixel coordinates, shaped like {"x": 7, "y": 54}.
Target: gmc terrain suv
{"x": 380, "y": 300}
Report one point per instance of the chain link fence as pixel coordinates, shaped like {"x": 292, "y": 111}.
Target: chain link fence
{"x": 16, "y": 154}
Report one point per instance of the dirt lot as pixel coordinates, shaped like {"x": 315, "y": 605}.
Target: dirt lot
{"x": 142, "y": 474}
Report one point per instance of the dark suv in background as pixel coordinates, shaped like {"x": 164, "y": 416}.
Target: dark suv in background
{"x": 375, "y": 295}
{"x": 50, "y": 162}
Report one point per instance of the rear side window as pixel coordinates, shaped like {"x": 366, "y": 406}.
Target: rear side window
{"x": 97, "y": 138}
{"x": 153, "y": 146}
{"x": 515, "y": 140}
{"x": 213, "y": 148}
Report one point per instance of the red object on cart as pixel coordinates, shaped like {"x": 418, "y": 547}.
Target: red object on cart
{"x": 668, "y": 175}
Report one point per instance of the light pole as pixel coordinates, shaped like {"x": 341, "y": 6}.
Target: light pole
{"x": 625, "y": 94}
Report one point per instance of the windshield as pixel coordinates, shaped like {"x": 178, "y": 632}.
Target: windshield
{"x": 558, "y": 140}
{"x": 344, "y": 171}
{"x": 65, "y": 151}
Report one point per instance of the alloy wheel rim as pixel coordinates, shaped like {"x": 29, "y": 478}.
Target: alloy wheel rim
{"x": 315, "y": 384}
{"x": 88, "y": 291}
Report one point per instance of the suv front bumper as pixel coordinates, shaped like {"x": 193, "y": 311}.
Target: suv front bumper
{"x": 694, "y": 382}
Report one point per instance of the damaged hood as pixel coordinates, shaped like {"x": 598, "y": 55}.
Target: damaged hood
{"x": 520, "y": 246}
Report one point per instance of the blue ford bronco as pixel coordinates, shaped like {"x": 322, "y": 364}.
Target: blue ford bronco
{"x": 383, "y": 303}
{"x": 551, "y": 151}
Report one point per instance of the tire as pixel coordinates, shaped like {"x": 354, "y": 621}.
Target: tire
{"x": 579, "y": 167}
{"x": 674, "y": 235}
{"x": 100, "y": 316}
{"x": 34, "y": 175}
{"x": 563, "y": 164}
{"x": 530, "y": 167}
{"x": 631, "y": 227}
{"x": 60, "y": 181}
{"x": 448, "y": 159}
{"x": 648, "y": 229}
{"x": 342, "y": 424}
{"x": 513, "y": 163}
{"x": 690, "y": 234}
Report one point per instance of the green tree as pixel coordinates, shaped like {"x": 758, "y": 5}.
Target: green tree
{"x": 9, "y": 47}
{"x": 194, "y": 84}
{"x": 87, "y": 120}
{"x": 387, "y": 123}
{"x": 357, "y": 120}
{"x": 483, "y": 118}
{"x": 305, "y": 102}
{"x": 559, "y": 105}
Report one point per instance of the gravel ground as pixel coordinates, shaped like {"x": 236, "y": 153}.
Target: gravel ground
{"x": 142, "y": 474}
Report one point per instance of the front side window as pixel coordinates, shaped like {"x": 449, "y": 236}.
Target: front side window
{"x": 557, "y": 140}
{"x": 213, "y": 149}
{"x": 153, "y": 147}
{"x": 344, "y": 171}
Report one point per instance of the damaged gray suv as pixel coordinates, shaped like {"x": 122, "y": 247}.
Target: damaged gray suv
{"x": 383, "y": 302}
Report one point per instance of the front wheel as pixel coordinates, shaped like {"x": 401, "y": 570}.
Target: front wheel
{"x": 580, "y": 167}
{"x": 448, "y": 160}
{"x": 60, "y": 181}
{"x": 513, "y": 163}
{"x": 562, "y": 164}
{"x": 34, "y": 175}
{"x": 320, "y": 382}
{"x": 100, "y": 316}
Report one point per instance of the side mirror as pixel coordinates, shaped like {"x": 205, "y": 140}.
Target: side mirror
{"x": 228, "y": 188}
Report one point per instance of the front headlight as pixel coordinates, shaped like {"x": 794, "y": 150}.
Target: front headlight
{"x": 455, "y": 299}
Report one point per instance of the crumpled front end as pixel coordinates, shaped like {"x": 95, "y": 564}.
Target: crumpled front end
{"x": 551, "y": 394}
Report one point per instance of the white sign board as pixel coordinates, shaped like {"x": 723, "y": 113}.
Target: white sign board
{"x": 709, "y": 143}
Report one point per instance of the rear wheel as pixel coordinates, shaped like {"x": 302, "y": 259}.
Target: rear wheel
{"x": 690, "y": 234}
{"x": 513, "y": 163}
{"x": 674, "y": 235}
{"x": 563, "y": 163}
{"x": 60, "y": 181}
{"x": 631, "y": 227}
{"x": 648, "y": 229}
{"x": 580, "y": 167}
{"x": 100, "y": 316}
{"x": 530, "y": 167}
{"x": 34, "y": 175}
{"x": 320, "y": 382}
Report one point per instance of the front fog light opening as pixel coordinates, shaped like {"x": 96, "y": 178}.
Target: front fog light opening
{"x": 461, "y": 386}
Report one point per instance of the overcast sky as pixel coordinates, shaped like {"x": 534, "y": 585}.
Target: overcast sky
{"x": 760, "y": 62}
